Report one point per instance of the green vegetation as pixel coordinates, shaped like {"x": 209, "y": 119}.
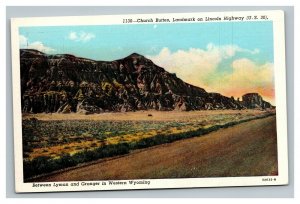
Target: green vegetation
{"x": 87, "y": 132}
{"x": 45, "y": 164}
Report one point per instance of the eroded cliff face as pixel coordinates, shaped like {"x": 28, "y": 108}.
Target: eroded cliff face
{"x": 65, "y": 83}
{"x": 254, "y": 100}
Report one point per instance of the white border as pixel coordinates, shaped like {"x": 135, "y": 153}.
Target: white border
{"x": 280, "y": 91}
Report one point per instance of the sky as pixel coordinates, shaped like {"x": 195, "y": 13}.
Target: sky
{"x": 231, "y": 58}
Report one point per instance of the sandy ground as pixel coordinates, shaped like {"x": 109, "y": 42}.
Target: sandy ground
{"x": 139, "y": 115}
{"x": 247, "y": 149}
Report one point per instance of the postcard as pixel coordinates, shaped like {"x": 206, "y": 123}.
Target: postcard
{"x": 149, "y": 101}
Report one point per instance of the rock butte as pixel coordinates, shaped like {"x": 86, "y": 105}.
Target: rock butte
{"x": 65, "y": 83}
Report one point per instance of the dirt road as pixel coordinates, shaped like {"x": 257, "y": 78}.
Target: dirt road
{"x": 247, "y": 149}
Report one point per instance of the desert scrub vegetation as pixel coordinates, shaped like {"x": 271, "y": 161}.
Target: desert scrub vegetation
{"x": 46, "y": 164}
{"x": 53, "y": 145}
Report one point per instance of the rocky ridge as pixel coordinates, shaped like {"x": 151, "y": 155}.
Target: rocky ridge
{"x": 65, "y": 83}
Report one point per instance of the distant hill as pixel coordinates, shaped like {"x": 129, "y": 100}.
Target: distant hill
{"x": 65, "y": 83}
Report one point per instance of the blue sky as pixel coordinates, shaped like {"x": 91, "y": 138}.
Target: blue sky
{"x": 110, "y": 42}
{"x": 225, "y": 44}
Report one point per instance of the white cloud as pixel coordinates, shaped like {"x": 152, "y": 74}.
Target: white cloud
{"x": 195, "y": 64}
{"x": 22, "y": 40}
{"x": 41, "y": 47}
{"x": 73, "y": 36}
{"x": 227, "y": 51}
{"x": 247, "y": 76}
{"x": 81, "y": 36}
{"x": 255, "y": 51}
{"x": 199, "y": 67}
{"x": 37, "y": 45}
